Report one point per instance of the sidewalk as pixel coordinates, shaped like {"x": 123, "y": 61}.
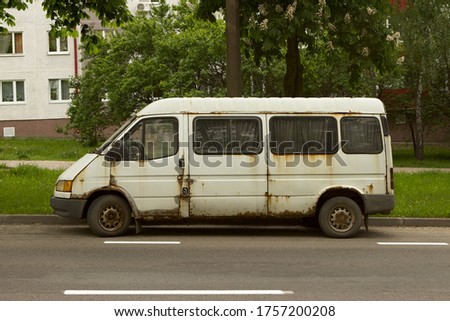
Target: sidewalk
{"x": 65, "y": 164}
{"x": 58, "y": 165}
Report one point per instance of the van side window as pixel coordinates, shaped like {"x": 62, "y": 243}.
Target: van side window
{"x": 303, "y": 135}
{"x": 361, "y": 135}
{"x": 227, "y": 135}
{"x": 150, "y": 139}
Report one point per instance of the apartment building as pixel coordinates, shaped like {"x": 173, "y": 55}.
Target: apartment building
{"x": 35, "y": 71}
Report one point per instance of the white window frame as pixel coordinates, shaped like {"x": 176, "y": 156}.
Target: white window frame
{"x": 59, "y": 90}
{"x": 14, "y": 87}
{"x": 58, "y": 50}
{"x": 13, "y": 44}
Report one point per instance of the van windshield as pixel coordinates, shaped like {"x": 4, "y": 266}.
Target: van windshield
{"x": 115, "y": 135}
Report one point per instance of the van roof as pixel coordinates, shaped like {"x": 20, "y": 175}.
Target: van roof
{"x": 264, "y": 105}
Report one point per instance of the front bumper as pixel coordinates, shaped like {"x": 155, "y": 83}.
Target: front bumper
{"x": 68, "y": 207}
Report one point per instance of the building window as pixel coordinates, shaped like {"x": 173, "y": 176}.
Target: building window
{"x": 303, "y": 135}
{"x": 227, "y": 135}
{"x": 12, "y": 91}
{"x": 59, "y": 89}
{"x": 11, "y": 43}
{"x": 57, "y": 44}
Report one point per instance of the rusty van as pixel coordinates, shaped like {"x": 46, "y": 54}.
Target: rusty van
{"x": 188, "y": 160}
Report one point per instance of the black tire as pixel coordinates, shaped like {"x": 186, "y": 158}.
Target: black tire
{"x": 340, "y": 217}
{"x": 109, "y": 215}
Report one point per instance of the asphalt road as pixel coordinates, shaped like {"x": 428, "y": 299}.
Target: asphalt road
{"x": 48, "y": 262}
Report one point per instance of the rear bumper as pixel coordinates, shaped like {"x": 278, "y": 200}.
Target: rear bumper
{"x": 68, "y": 207}
{"x": 378, "y": 204}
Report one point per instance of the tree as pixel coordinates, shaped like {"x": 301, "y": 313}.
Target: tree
{"x": 350, "y": 30}
{"x": 169, "y": 53}
{"x": 425, "y": 30}
{"x": 67, "y": 16}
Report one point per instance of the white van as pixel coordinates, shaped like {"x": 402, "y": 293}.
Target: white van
{"x": 190, "y": 160}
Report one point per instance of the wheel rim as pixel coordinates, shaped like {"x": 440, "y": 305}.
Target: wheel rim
{"x": 112, "y": 218}
{"x": 342, "y": 219}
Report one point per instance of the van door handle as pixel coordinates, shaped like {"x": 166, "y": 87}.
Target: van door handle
{"x": 181, "y": 163}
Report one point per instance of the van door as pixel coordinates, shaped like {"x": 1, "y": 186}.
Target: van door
{"x": 363, "y": 152}
{"x": 302, "y": 162}
{"x": 152, "y": 168}
{"x": 227, "y": 166}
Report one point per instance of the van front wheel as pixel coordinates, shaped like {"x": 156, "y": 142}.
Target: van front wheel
{"x": 109, "y": 215}
{"x": 340, "y": 217}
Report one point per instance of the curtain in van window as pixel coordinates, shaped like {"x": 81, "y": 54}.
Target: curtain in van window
{"x": 361, "y": 135}
{"x": 227, "y": 136}
{"x": 244, "y": 136}
{"x": 303, "y": 135}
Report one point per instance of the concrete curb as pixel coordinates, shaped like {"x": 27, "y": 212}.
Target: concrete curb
{"x": 24, "y": 219}
{"x": 20, "y": 219}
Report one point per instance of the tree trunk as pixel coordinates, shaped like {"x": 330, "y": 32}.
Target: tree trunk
{"x": 293, "y": 79}
{"x": 418, "y": 142}
{"x": 234, "y": 82}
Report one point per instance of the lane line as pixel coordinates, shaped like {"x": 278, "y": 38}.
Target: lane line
{"x": 414, "y": 243}
{"x": 177, "y": 292}
{"x": 144, "y": 242}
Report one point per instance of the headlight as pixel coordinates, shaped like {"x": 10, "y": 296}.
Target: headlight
{"x": 64, "y": 186}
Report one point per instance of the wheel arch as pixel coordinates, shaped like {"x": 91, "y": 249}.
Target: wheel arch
{"x": 343, "y": 191}
{"x": 110, "y": 191}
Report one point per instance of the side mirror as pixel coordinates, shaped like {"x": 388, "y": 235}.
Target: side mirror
{"x": 114, "y": 154}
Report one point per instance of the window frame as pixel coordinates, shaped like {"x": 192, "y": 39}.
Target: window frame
{"x": 14, "y": 92}
{"x": 14, "y": 43}
{"x": 57, "y": 40}
{"x": 59, "y": 92}
{"x": 273, "y": 147}
{"x": 344, "y": 142}
{"x": 200, "y": 151}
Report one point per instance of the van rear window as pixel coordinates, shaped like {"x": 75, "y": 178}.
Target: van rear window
{"x": 303, "y": 135}
{"x": 361, "y": 135}
{"x": 227, "y": 135}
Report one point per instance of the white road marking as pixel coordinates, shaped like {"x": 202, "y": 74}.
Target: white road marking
{"x": 177, "y": 292}
{"x": 144, "y": 242}
{"x": 414, "y": 243}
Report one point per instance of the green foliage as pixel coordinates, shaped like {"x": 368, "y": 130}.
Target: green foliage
{"x": 169, "y": 53}
{"x": 350, "y": 35}
{"x": 7, "y": 17}
{"x": 425, "y": 30}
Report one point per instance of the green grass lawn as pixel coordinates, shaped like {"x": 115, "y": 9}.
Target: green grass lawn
{"x": 436, "y": 156}
{"x": 26, "y": 189}
{"x": 41, "y": 149}
{"x": 423, "y": 194}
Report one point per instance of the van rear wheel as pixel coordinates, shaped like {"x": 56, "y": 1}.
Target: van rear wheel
{"x": 109, "y": 215}
{"x": 340, "y": 217}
